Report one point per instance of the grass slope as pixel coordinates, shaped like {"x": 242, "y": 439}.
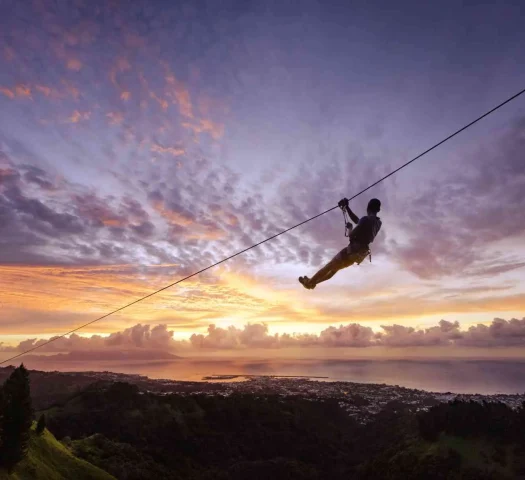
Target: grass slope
{"x": 48, "y": 459}
{"x": 450, "y": 457}
{"x": 480, "y": 453}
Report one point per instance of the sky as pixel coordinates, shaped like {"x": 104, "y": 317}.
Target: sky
{"x": 141, "y": 142}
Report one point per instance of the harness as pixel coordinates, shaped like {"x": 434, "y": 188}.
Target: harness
{"x": 360, "y": 255}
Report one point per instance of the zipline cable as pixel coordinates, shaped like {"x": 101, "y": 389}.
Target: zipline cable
{"x": 269, "y": 238}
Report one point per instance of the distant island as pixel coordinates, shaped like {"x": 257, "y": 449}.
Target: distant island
{"x": 243, "y": 375}
{"x": 88, "y": 355}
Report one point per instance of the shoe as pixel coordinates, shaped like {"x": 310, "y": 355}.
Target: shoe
{"x": 309, "y": 284}
{"x": 305, "y": 282}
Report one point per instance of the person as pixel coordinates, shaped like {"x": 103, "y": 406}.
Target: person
{"x": 360, "y": 239}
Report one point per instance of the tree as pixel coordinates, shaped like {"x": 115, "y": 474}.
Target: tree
{"x": 17, "y": 418}
{"x": 1, "y": 419}
{"x": 41, "y": 425}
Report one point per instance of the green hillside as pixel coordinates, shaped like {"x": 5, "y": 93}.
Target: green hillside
{"x": 450, "y": 457}
{"x": 48, "y": 459}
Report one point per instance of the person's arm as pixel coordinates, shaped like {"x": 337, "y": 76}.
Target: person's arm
{"x": 352, "y": 215}
{"x": 344, "y": 204}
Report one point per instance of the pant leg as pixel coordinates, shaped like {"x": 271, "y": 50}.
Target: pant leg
{"x": 341, "y": 260}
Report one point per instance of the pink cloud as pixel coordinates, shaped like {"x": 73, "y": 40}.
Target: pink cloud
{"x": 20, "y": 90}
{"x": 74, "y": 64}
{"x": 500, "y": 333}
{"x": 7, "y": 92}
{"x": 78, "y": 116}
{"x": 23, "y": 90}
{"x": 115, "y": 118}
{"x": 179, "y": 95}
{"x": 120, "y": 65}
{"x": 216, "y": 130}
{"x": 175, "y": 151}
{"x": 163, "y": 103}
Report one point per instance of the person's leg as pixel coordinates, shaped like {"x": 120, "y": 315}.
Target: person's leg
{"x": 326, "y": 273}
{"x": 342, "y": 260}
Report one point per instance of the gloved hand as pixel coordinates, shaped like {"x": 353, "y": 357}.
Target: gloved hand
{"x": 343, "y": 203}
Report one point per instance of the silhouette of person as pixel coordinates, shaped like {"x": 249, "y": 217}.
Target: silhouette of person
{"x": 360, "y": 239}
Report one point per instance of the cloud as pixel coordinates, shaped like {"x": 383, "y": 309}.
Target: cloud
{"x": 454, "y": 223}
{"x": 99, "y": 212}
{"x": 179, "y": 94}
{"x": 352, "y": 335}
{"x": 26, "y": 221}
{"x": 42, "y": 215}
{"x": 216, "y": 130}
{"x": 500, "y": 333}
{"x": 39, "y": 177}
{"x": 74, "y": 64}
{"x": 136, "y": 337}
{"x": 78, "y": 116}
{"x": 401, "y": 336}
{"x": 7, "y": 92}
{"x": 175, "y": 151}
{"x": 115, "y": 118}
{"x": 252, "y": 335}
{"x": 20, "y": 90}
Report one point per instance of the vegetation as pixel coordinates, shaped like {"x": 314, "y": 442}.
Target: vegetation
{"x": 41, "y": 425}
{"x": 136, "y": 435}
{"x": 48, "y": 459}
{"x": 16, "y": 418}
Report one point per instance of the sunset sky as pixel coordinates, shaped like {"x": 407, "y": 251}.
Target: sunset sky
{"x": 143, "y": 141}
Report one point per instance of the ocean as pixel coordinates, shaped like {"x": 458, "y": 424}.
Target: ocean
{"x": 457, "y": 376}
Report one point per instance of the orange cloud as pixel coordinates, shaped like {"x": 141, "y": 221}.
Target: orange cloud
{"x": 125, "y": 96}
{"x": 23, "y": 91}
{"x": 7, "y": 92}
{"x": 113, "y": 222}
{"x": 43, "y": 90}
{"x": 215, "y": 130}
{"x": 171, "y": 215}
{"x": 175, "y": 151}
{"x": 121, "y": 65}
{"x": 74, "y": 64}
{"x": 78, "y": 116}
{"x": 26, "y": 91}
{"x": 38, "y": 300}
{"x": 20, "y": 90}
{"x": 163, "y": 103}
{"x": 198, "y": 231}
{"x": 180, "y": 95}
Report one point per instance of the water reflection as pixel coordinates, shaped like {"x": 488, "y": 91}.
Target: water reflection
{"x": 460, "y": 376}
